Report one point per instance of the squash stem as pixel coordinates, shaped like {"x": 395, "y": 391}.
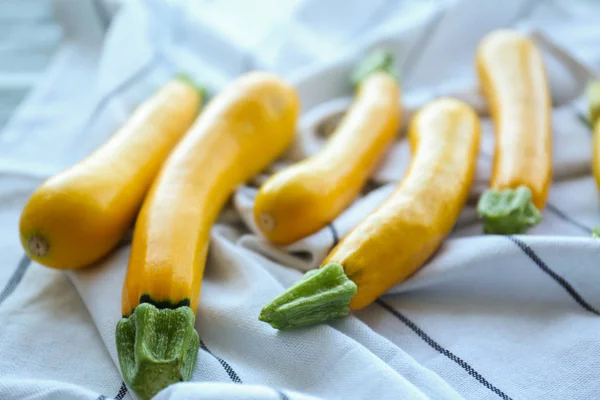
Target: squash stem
{"x": 377, "y": 61}
{"x": 508, "y": 211}
{"x": 321, "y": 295}
{"x": 202, "y": 91}
{"x": 156, "y": 347}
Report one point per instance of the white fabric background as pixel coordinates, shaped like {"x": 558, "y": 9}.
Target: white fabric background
{"x": 28, "y": 38}
{"x": 488, "y": 317}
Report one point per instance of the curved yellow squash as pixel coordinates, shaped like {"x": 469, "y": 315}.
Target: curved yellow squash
{"x": 305, "y": 197}
{"x": 79, "y": 215}
{"x": 399, "y": 237}
{"x": 395, "y": 240}
{"x": 593, "y": 95}
{"x": 513, "y": 79}
{"x": 239, "y": 134}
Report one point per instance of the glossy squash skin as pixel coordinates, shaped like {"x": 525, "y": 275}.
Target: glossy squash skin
{"x": 394, "y": 241}
{"x": 239, "y": 134}
{"x": 593, "y": 95}
{"x": 243, "y": 129}
{"x": 513, "y": 79}
{"x": 76, "y": 217}
{"x": 400, "y": 236}
{"x": 305, "y": 197}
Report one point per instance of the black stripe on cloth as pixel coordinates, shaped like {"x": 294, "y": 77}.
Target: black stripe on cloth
{"x": 554, "y": 209}
{"x": 232, "y": 374}
{"x": 559, "y": 279}
{"x": 122, "y": 392}
{"x": 15, "y": 279}
{"x": 101, "y": 397}
{"x": 334, "y": 234}
{"x": 570, "y": 220}
{"x": 282, "y": 396}
{"x": 436, "y": 346}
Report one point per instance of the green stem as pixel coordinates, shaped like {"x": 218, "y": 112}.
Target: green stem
{"x": 321, "y": 295}
{"x": 508, "y": 211}
{"x": 204, "y": 94}
{"x": 593, "y": 96}
{"x": 377, "y": 61}
{"x": 156, "y": 347}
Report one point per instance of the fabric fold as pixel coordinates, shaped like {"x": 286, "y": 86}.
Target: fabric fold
{"x": 486, "y": 318}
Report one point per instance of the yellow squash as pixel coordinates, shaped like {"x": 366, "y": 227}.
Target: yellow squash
{"x": 239, "y": 134}
{"x": 79, "y": 215}
{"x": 596, "y": 153}
{"x": 305, "y": 197}
{"x": 401, "y": 235}
{"x": 593, "y": 94}
{"x": 513, "y": 80}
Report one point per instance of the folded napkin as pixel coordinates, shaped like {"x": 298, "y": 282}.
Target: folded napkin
{"x": 488, "y": 317}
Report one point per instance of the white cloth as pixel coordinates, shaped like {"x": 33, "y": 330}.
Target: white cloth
{"x": 488, "y": 317}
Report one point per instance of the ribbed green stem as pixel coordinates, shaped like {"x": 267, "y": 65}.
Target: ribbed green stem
{"x": 593, "y": 96}
{"x": 321, "y": 295}
{"x": 156, "y": 347}
{"x": 508, "y": 211}
{"x": 378, "y": 60}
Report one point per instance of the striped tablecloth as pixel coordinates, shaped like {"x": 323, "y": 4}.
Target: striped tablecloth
{"x": 488, "y": 317}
